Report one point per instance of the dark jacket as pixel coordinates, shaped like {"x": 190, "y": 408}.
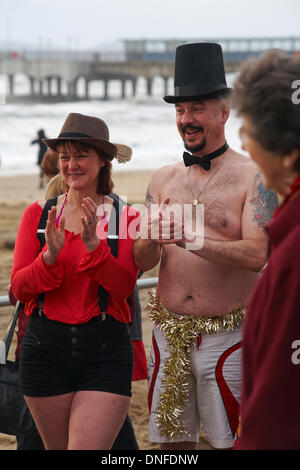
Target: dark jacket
{"x": 42, "y": 146}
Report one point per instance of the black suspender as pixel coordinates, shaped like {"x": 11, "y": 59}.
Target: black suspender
{"x": 41, "y": 236}
{"x": 43, "y": 220}
{"x": 112, "y": 241}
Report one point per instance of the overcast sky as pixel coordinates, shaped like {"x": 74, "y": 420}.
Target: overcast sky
{"x": 93, "y": 23}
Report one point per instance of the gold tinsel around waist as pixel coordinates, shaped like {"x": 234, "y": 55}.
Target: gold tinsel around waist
{"x": 180, "y": 333}
{"x": 164, "y": 318}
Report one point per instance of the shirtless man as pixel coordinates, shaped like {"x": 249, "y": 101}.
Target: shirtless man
{"x": 212, "y": 281}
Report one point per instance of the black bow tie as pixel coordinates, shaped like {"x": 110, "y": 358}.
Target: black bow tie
{"x": 204, "y": 161}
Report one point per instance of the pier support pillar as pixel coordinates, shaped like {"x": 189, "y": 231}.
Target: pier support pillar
{"x": 58, "y": 85}
{"x": 40, "y": 84}
{"x": 134, "y": 87}
{"x": 149, "y": 86}
{"x": 71, "y": 91}
{"x": 32, "y": 82}
{"x": 105, "y": 97}
{"x": 123, "y": 90}
{"x": 11, "y": 85}
{"x": 87, "y": 84}
{"x": 49, "y": 81}
{"x": 166, "y": 83}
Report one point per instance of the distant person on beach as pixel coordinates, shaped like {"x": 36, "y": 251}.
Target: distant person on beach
{"x": 41, "y": 152}
{"x": 206, "y": 273}
{"x": 76, "y": 357}
{"x": 264, "y": 96}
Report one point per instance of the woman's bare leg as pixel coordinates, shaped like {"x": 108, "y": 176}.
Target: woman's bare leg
{"x": 51, "y": 416}
{"x": 96, "y": 419}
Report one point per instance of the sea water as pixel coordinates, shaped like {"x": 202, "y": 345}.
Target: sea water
{"x": 147, "y": 124}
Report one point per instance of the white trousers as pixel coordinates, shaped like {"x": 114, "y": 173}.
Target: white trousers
{"x": 214, "y": 387}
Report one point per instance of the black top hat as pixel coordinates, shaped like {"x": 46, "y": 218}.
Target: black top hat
{"x": 199, "y": 72}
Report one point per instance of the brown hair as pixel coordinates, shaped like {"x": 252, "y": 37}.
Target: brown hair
{"x": 49, "y": 163}
{"x": 105, "y": 183}
{"x": 263, "y": 93}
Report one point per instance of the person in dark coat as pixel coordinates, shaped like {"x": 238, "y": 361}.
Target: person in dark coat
{"x": 41, "y": 152}
{"x": 265, "y": 96}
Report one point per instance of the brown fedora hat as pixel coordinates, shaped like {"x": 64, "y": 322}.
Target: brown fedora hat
{"x": 93, "y": 131}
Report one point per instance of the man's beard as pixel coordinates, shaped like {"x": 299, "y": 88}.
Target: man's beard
{"x": 194, "y": 148}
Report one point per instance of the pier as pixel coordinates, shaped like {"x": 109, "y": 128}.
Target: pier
{"x": 54, "y": 75}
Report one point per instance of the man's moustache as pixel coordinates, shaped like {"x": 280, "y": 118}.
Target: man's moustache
{"x": 191, "y": 128}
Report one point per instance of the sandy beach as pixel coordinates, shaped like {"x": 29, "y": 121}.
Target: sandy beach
{"x": 15, "y": 193}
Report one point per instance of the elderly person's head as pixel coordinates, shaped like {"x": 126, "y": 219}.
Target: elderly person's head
{"x": 263, "y": 96}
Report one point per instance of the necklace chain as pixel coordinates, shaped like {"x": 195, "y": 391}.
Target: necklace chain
{"x": 195, "y": 201}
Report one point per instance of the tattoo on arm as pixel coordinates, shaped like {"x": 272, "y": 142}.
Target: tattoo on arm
{"x": 149, "y": 199}
{"x": 264, "y": 202}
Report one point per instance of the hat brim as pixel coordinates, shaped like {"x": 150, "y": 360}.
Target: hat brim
{"x": 121, "y": 152}
{"x": 202, "y": 96}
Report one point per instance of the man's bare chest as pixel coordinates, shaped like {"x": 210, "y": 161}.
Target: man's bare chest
{"x": 222, "y": 201}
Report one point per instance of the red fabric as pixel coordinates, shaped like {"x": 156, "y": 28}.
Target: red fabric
{"x": 231, "y": 404}
{"x": 131, "y": 303}
{"x": 155, "y": 372}
{"x": 295, "y": 186}
{"x": 71, "y": 284}
{"x": 270, "y": 412}
{"x": 140, "y": 370}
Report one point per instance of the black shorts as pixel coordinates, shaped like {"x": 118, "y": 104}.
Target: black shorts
{"x": 58, "y": 358}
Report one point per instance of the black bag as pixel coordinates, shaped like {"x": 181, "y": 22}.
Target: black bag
{"x": 15, "y": 417}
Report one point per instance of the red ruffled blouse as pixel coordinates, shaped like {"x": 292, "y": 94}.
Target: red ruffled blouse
{"x": 71, "y": 284}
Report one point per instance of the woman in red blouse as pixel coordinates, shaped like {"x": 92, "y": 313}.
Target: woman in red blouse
{"x": 266, "y": 96}
{"x": 76, "y": 360}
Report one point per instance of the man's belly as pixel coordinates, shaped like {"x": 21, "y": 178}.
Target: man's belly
{"x": 192, "y": 285}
